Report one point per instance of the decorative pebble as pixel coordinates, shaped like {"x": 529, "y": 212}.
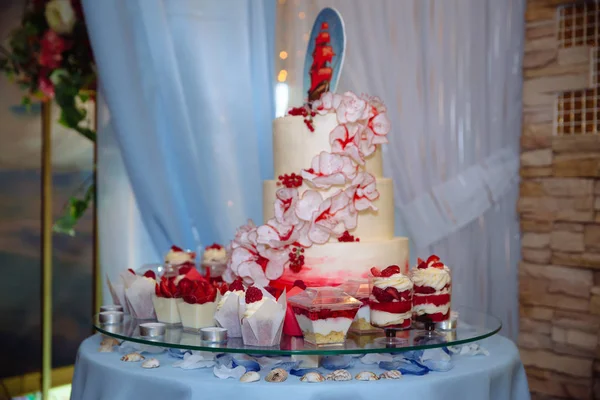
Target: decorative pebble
{"x": 366, "y": 376}
{"x": 250, "y": 376}
{"x": 277, "y": 375}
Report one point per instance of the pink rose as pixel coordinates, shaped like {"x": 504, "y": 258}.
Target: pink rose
{"x": 364, "y": 191}
{"x": 345, "y": 139}
{"x": 352, "y": 108}
{"x": 328, "y": 217}
{"x": 330, "y": 169}
{"x": 328, "y": 102}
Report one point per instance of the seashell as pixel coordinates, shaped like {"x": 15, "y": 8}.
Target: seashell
{"x": 250, "y": 376}
{"x": 393, "y": 374}
{"x": 151, "y": 363}
{"x": 339, "y": 375}
{"x": 132, "y": 357}
{"x": 312, "y": 377}
{"x": 105, "y": 348}
{"x": 366, "y": 376}
{"x": 109, "y": 341}
{"x": 277, "y": 375}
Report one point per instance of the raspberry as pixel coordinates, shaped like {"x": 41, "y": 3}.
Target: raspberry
{"x": 274, "y": 292}
{"x": 347, "y": 237}
{"x": 391, "y": 270}
{"x": 130, "y": 270}
{"x": 295, "y": 267}
{"x": 150, "y": 274}
{"x": 253, "y": 294}
{"x": 236, "y": 285}
{"x": 300, "y": 283}
{"x": 375, "y": 271}
{"x": 382, "y": 296}
{"x": 176, "y": 249}
{"x": 433, "y": 258}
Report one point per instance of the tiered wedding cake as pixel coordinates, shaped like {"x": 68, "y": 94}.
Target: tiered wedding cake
{"x": 329, "y": 215}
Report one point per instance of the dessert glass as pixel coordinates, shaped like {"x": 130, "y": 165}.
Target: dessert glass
{"x": 166, "y": 309}
{"x": 197, "y": 316}
{"x": 324, "y": 314}
{"x": 432, "y": 293}
{"x": 390, "y": 301}
{"x": 359, "y": 289}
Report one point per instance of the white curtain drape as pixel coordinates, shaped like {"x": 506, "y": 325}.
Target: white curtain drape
{"x": 450, "y": 73}
{"x": 189, "y": 91}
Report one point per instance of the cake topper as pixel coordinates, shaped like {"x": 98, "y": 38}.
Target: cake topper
{"x": 325, "y": 54}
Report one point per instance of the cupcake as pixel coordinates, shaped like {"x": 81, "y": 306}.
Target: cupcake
{"x": 227, "y": 311}
{"x": 261, "y": 317}
{"x": 391, "y": 298}
{"x": 432, "y": 290}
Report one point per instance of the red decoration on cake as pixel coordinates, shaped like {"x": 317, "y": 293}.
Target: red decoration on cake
{"x": 306, "y": 112}
{"x": 320, "y": 70}
{"x": 296, "y": 259}
{"x": 290, "y": 181}
{"x": 347, "y": 237}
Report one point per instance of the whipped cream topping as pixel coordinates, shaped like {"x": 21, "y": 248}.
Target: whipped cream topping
{"x": 214, "y": 255}
{"x": 178, "y": 257}
{"x": 238, "y": 293}
{"x": 399, "y": 281}
{"x": 253, "y": 307}
{"x": 422, "y": 309}
{"x": 436, "y": 278}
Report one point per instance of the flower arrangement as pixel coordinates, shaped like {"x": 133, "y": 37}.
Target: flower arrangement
{"x": 49, "y": 56}
{"x": 259, "y": 254}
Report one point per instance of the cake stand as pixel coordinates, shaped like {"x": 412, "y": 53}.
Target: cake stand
{"x": 472, "y": 326}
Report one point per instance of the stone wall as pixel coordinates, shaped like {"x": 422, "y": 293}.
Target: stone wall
{"x": 559, "y": 207}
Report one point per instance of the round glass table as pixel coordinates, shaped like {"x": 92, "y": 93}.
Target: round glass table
{"x": 472, "y": 325}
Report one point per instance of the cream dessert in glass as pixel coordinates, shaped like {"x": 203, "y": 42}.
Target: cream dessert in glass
{"x": 432, "y": 291}
{"x": 324, "y": 314}
{"x": 390, "y": 300}
{"x": 214, "y": 262}
{"x": 359, "y": 289}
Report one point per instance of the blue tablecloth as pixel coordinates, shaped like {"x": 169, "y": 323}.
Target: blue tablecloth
{"x": 499, "y": 376}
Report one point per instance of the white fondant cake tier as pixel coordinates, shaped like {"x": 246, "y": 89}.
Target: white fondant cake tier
{"x": 294, "y": 145}
{"x": 371, "y": 225}
{"x": 336, "y": 263}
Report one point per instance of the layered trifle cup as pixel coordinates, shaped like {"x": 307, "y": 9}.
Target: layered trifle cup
{"x": 359, "y": 289}
{"x": 391, "y": 298}
{"x": 433, "y": 289}
{"x": 214, "y": 262}
{"x": 324, "y": 314}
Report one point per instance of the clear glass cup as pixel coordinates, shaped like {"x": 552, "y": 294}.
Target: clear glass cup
{"x": 391, "y": 309}
{"x": 432, "y": 297}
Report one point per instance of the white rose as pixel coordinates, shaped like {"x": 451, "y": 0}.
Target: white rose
{"x": 60, "y": 16}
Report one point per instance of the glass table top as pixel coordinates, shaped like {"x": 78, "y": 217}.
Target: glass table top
{"x": 472, "y": 325}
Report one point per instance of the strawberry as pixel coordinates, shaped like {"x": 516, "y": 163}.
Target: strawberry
{"x": 382, "y": 296}
{"x": 164, "y": 289}
{"x": 433, "y": 258}
{"x": 185, "y": 286}
{"x": 157, "y": 290}
{"x": 422, "y": 265}
{"x": 392, "y": 291}
{"x": 150, "y": 274}
{"x": 223, "y": 288}
{"x": 391, "y": 270}
{"x": 253, "y": 294}
{"x": 236, "y": 285}
{"x": 300, "y": 283}
{"x": 176, "y": 249}
{"x": 420, "y": 260}
{"x": 190, "y": 299}
{"x": 375, "y": 271}
{"x": 130, "y": 270}
{"x": 438, "y": 265}
{"x": 184, "y": 270}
